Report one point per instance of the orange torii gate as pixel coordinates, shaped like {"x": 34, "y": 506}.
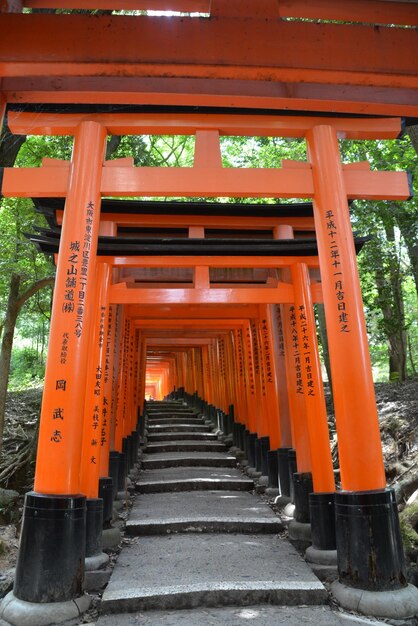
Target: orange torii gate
{"x": 83, "y": 182}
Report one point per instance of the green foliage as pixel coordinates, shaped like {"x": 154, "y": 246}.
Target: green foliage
{"x": 408, "y": 519}
{"x": 27, "y": 368}
{"x": 388, "y": 264}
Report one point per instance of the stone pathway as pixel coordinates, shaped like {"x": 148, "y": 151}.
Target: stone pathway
{"x": 202, "y": 540}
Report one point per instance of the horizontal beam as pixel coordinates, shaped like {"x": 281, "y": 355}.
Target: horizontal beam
{"x": 177, "y": 324}
{"x": 260, "y": 49}
{"x": 209, "y": 261}
{"x": 212, "y": 182}
{"x": 164, "y": 91}
{"x": 282, "y": 293}
{"x": 176, "y": 341}
{"x": 120, "y": 294}
{"x": 21, "y": 123}
{"x": 190, "y": 311}
{"x": 207, "y": 221}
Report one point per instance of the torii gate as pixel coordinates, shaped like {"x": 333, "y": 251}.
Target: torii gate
{"x": 83, "y": 182}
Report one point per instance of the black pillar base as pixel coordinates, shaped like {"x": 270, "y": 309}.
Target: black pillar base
{"x": 292, "y": 465}
{"x": 369, "y": 544}
{"x": 50, "y": 566}
{"x": 322, "y": 510}
{"x": 273, "y": 470}
{"x": 251, "y": 438}
{"x": 283, "y": 470}
{"x": 122, "y": 474}
{"x": 265, "y": 447}
{"x": 94, "y": 526}
{"x": 114, "y": 470}
{"x": 135, "y": 446}
{"x": 302, "y": 483}
{"x": 246, "y": 442}
{"x": 241, "y": 436}
{"x": 129, "y": 453}
{"x": 258, "y": 454}
{"x": 106, "y": 494}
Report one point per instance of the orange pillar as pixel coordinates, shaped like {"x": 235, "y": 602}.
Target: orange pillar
{"x": 60, "y": 433}
{"x": 117, "y": 363}
{"x": 108, "y": 390}
{"x": 359, "y": 445}
{"x": 300, "y": 436}
{"x": 245, "y": 339}
{"x": 57, "y": 481}
{"x": 315, "y": 408}
{"x": 91, "y": 448}
{"x": 270, "y": 377}
{"x": 262, "y": 428}
{"x": 281, "y": 376}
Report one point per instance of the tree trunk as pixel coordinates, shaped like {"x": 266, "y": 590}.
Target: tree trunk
{"x": 14, "y": 304}
{"x": 392, "y": 309}
{"x": 6, "y": 346}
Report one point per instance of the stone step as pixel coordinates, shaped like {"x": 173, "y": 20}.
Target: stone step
{"x": 179, "y": 473}
{"x": 178, "y": 428}
{"x": 185, "y": 446}
{"x": 211, "y": 511}
{"x": 182, "y": 571}
{"x": 168, "y": 410}
{"x": 187, "y": 436}
{"x": 194, "y": 484}
{"x": 175, "y": 420}
{"x": 260, "y": 615}
{"x": 190, "y": 459}
{"x": 168, "y": 404}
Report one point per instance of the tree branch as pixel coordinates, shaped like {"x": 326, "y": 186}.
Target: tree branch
{"x": 40, "y": 284}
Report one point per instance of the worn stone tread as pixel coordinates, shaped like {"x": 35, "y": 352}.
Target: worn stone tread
{"x": 179, "y": 428}
{"x": 190, "y": 570}
{"x": 191, "y": 459}
{"x": 175, "y": 436}
{"x": 194, "y": 484}
{"x": 244, "y": 525}
{"x": 175, "y": 420}
{"x": 260, "y": 615}
{"x": 185, "y": 446}
{"x": 182, "y": 472}
{"x": 220, "y": 503}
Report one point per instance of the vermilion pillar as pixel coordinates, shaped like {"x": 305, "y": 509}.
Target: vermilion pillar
{"x": 59, "y": 447}
{"x": 57, "y": 538}
{"x": 359, "y": 445}
{"x": 108, "y": 385}
{"x": 310, "y": 367}
{"x": 281, "y": 376}
{"x": 369, "y": 546}
{"x": 300, "y": 436}
{"x": 91, "y": 449}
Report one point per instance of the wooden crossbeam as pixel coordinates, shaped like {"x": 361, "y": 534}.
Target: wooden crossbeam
{"x": 281, "y": 294}
{"x": 190, "y": 123}
{"x": 287, "y": 182}
{"x": 63, "y": 45}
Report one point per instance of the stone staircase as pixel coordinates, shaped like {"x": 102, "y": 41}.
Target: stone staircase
{"x": 202, "y": 540}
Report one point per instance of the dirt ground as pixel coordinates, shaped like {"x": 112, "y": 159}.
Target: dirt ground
{"x": 398, "y": 413}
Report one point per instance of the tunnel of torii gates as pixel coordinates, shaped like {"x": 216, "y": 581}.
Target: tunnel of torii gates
{"x": 212, "y": 303}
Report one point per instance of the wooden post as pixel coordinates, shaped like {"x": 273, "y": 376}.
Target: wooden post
{"x": 359, "y": 444}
